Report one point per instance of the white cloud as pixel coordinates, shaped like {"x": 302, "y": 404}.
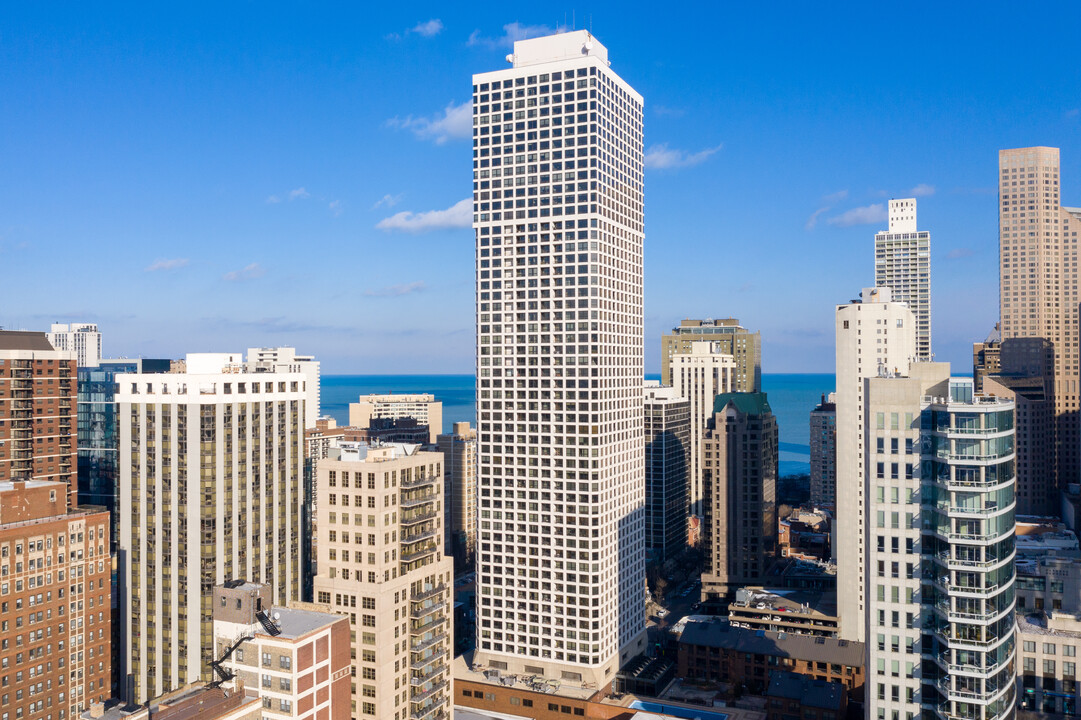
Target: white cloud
{"x": 813, "y": 220}
{"x": 388, "y": 201}
{"x": 166, "y": 264}
{"x": 835, "y": 197}
{"x": 661, "y": 157}
{"x": 922, "y": 190}
{"x": 397, "y": 290}
{"x": 428, "y": 29}
{"x": 249, "y": 272}
{"x": 299, "y": 194}
{"x": 458, "y": 215}
{"x": 273, "y": 200}
{"x": 512, "y": 32}
{"x": 454, "y": 122}
{"x": 868, "y": 215}
{"x": 335, "y": 207}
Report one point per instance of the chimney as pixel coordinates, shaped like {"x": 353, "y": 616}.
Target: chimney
{"x": 97, "y": 710}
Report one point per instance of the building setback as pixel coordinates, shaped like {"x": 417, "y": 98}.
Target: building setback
{"x": 739, "y": 342}
{"x": 739, "y": 461}
{"x": 560, "y": 582}
{"x": 422, "y": 407}
{"x": 1038, "y": 284}
{"x": 903, "y": 264}
{"x": 210, "y": 478}
{"x": 382, "y": 562}
{"x": 82, "y": 339}
{"x": 55, "y": 593}
{"x": 286, "y": 360}
{"x": 38, "y": 392}
{"x": 667, "y": 441}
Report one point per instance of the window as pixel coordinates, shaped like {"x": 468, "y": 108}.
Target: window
{"x": 266, "y": 659}
{"x": 285, "y": 684}
{"x": 286, "y": 706}
{"x": 285, "y": 662}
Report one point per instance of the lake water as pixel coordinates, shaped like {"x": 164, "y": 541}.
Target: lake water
{"x": 792, "y": 397}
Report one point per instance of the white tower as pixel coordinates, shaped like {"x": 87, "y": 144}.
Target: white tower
{"x": 903, "y": 264}
{"x": 557, "y": 211}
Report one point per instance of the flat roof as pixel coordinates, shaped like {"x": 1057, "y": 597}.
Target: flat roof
{"x": 462, "y": 670}
{"x": 296, "y": 623}
{"x": 777, "y": 644}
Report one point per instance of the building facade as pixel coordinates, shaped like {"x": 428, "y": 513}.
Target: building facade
{"x": 700, "y": 375}
{"x": 735, "y": 340}
{"x": 38, "y": 392}
{"x": 297, "y": 658}
{"x": 286, "y": 360}
{"x": 875, "y": 336}
{"x": 459, "y": 450}
{"x": 422, "y": 407}
{"x": 559, "y": 230}
{"x": 739, "y": 461}
{"x": 55, "y": 592}
{"x": 903, "y": 264}
{"x": 824, "y": 452}
{"x": 667, "y": 447}
{"x": 82, "y": 339}
{"x": 382, "y": 562}
{"x": 986, "y": 357}
{"x": 210, "y": 478}
{"x": 1038, "y": 290}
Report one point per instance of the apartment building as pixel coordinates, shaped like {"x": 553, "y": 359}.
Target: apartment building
{"x": 297, "y": 658}
{"x": 734, "y": 339}
{"x": 422, "y": 407}
{"x": 824, "y": 452}
{"x": 382, "y": 562}
{"x": 55, "y": 593}
{"x": 903, "y": 264}
{"x": 210, "y": 478}
{"x": 38, "y": 393}
{"x": 459, "y": 448}
{"x": 667, "y": 446}
{"x": 82, "y": 339}
{"x": 286, "y": 360}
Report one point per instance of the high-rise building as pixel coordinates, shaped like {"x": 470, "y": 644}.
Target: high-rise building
{"x": 210, "y": 481}
{"x": 422, "y": 407}
{"x": 939, "y": 577}
{"x": 985, "y": 357}
{"x": 296, "y": 657}
{"x": 740, "y": 456}
{"x": 1038, "y": 287}
{"x": 99, "y": 434}
{"x": 286, "y": 360}
{"x": 459, "y": 449}
{"x": 557, "y": 212}
{"x": 667, "y": 444}
{"x": 83, "y": 339}
{"x": 382, "y": 561}
{"x": 55, "y": 565}
{"x": 38, "y": 391}
{"x": 824, "y": 453}
{"x": 903, "y": 264}
{"x": 875, "y": 337}
{"x": 700, "y": 375}
{"x": 735, "y": 340}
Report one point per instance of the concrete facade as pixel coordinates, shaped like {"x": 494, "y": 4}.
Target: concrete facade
{"x": 735, "y": 340}
{"x": 667, "y": 441}
{"x": 210, "y": 478}
{"x": 422, "y": 407}
{"x": 903, "y": 264}
{"x": 560, "y": 583}
{"x": 824, "y": 453}
{"x": 286, "y": 360}
{"x": 459, "y": 450}
{"x": 82, "y": 339}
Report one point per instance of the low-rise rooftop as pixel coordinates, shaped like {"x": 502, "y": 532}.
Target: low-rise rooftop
{"x": 814, "y": 648}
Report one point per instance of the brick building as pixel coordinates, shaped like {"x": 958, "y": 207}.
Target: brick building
{"x": 712, "y": 650}
{"x": 55, "y": 596}
{"x": 791, "y": 696}
{"x": 38, "y": 392}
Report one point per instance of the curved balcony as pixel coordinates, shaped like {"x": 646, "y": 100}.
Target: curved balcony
{"x": 944, "y": 558}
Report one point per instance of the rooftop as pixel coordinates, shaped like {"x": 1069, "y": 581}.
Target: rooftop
{"x": 295, "y": 623}
{"x": 463, "y": 669}
{"x": 810, "y": 692}
{"x": 22, "y": 340}
{"x": 1038, "y": 624}
{"x": 760, "y": 642}
{"x": 805, "y": 602}
{"x": 746, "y": 403}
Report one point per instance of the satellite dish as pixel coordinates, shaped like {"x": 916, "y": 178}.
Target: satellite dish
{"x": 589, "y": 45}
{"x": 277, "y": 616}
{"x": 510, "y": 58}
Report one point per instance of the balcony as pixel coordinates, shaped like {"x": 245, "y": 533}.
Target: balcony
{"x": 417, "y": 680}
{"x": 428, "y": 624}
{"x": 418, "y": 537}
{"x": 419, "y": 612}
{"x": 418, "y": 500}
{"x": 434, "y": 657}
{"x": 434, "y": 640}
{"x": 419, "y": 517}
{"x": 418, "y": 482}
{"x": 422, "y": 696}
{"x": 437, "y": 590}
{"x": 419, "y": 553}
{"x": 960, "y": 564}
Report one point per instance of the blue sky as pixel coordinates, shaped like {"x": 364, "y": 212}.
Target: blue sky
{"x": 218, "y": 176}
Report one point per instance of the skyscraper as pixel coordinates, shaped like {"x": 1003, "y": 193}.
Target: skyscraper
{"x": 210, "y": 483}
{"x": 824, "y": 453}
{"x": 875, "y": 338}
{"x": 1038, "y": 284}
{"x": 735, "y": 340}
{"x": 557, "y": 203}
{"x": 740, "y": 455}
{"x": 700, "y": 375}
{"x": 903, "y": 264}
{"x": 459, "y": 450}
{"x": 286, "y": 360}
{"x": 422, "y": 407}
{"x": 667, "y": 441}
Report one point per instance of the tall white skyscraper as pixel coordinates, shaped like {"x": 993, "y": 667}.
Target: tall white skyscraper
{"x": 83, "y": 339}
{"x": 875, "y": 338}
{"x": 286, "y": 360}
{"x": 210, "y": 484}
{"x": 903, "y": 264}
{"x": 557, "y": 203}
{"x": 699, "y": 376}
